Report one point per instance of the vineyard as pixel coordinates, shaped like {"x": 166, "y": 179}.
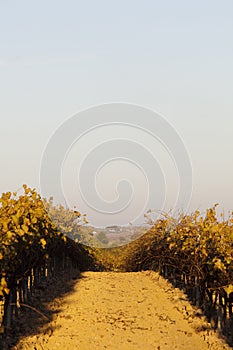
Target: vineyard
{"x": 193, "y": 251}
{"x": 33, "y": 249}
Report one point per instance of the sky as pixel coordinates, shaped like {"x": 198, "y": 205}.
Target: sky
{"x": 58, "y": 58}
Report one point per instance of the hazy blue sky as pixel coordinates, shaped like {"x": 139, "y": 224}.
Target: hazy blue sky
{"x": 175, "y": 57}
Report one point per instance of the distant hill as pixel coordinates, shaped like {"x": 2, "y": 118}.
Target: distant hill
{"x": 108, "y": 236}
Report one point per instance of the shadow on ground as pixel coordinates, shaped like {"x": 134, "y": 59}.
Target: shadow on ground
{"x": 35, "y": 318}
{"x": 225, "y": 333}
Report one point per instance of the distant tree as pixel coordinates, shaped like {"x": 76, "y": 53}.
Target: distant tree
{"x": 68, "y": 221}
{"x": 101, "y": 236}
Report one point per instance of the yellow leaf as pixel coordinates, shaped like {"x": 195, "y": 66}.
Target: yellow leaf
{"x": 5, "y": 225}
{"x": 10, "y": 234}
{"x": 34, "y": 220}
{"x": 3, "y": 283}
{"x": 219, "y": 265}
{"x": 24, "y": 228}
{"x": 21, "y": 232}
{"x": 15, "y": 219}
{"x": 204, "y": 252}
{"x": 6, "y": 290}
{"x": 229, "y": 288}
{"x": 43, "y": 242}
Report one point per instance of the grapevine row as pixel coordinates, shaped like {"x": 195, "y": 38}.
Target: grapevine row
{"x": 196, "y": 253}
{"x": 31, "y": 242}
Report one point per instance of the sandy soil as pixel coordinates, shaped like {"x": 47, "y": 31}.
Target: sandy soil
{"x": 108, "y": 310}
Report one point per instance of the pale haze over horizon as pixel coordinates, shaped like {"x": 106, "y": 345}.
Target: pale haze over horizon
{"x": 174, "y": 57}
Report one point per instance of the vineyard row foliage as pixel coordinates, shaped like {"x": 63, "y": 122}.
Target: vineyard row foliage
{"x": 199, "y": 247}
{"x": 195, "y": 252}
{"x": 29, "y": 237}
{"x": 196, "y": 245}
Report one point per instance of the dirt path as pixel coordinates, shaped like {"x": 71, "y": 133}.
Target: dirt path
{"x": 108, "y": 310}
